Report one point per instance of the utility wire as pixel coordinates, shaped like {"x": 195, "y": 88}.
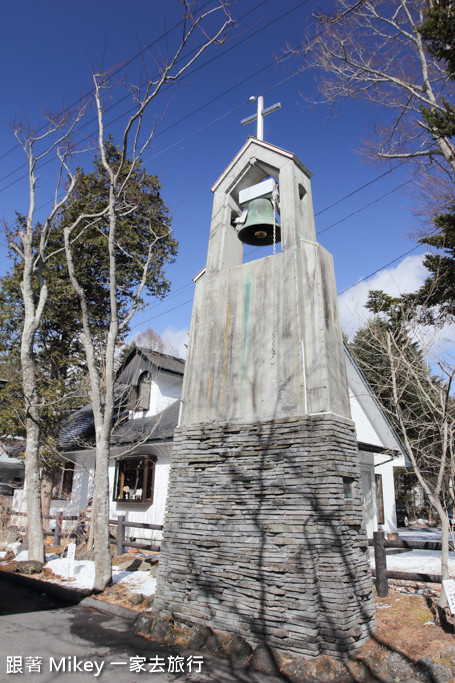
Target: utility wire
{"x": 112, "y": 73}
{"x": 158, "y": 315}
{"x": 362, "y": 187}
{"x": 219, "y": 118}
{"x": 187, "y": 116}
{"x": 366, "y": 206}
{"x": 200, "y": 66}
{"x": 367, "y": 277}
{"x": 350, "y": 194}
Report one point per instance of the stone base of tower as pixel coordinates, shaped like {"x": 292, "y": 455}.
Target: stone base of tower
{"x": 264, "y": 534}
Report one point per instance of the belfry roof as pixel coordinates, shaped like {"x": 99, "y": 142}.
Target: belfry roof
{"x": 254, "y": 146}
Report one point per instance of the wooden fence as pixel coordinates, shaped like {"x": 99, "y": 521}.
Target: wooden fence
{"x": 123, "y": 544}
{"x": 79, "y": 532}
{"x": 381, "y": 572}
{"x": 58, "y": 533}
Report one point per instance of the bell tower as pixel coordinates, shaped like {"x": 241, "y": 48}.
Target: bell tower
{"x": 263, "y": 533}
{"x": 266, "y": 340}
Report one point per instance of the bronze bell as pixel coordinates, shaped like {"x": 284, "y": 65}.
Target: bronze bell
{"x": 258, "y": 229}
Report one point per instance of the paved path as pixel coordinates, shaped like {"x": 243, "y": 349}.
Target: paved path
{"x": 79, "y": 644}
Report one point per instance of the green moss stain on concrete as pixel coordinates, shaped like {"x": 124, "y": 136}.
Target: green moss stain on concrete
{"x": 247, "y": 323}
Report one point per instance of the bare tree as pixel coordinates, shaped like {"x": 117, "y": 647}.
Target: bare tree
{"x": 373, "y": 51}
{"x": 133, "y": 142}
{"x": 149, "y": 339}
{"x": 413, "y": 376}
{"x": 29, "y": 241}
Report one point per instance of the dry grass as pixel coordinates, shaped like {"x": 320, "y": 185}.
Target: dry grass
{"x": 404, "y": 624}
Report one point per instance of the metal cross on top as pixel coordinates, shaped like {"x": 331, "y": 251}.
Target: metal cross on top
{"x": 260, "y": 115}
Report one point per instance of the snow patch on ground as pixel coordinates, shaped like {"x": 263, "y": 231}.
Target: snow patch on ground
{"x": 11, "y": 546}
{"x": 418, "y": 561}
{"x": 82, "y": 576}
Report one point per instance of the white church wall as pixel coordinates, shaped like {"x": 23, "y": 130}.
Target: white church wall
{"x": 369, "y": 499}
{"x": 165, "y": 389}
{"x": 371, "y": 468}
{"x": 82, "y": 492}
{"x": 385, "y": 471}
{"x": 365, "y": 430}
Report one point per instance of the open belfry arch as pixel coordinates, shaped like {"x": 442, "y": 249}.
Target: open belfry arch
{"x": 263, "y": 533}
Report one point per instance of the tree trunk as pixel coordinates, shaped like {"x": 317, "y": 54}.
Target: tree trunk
{"x": 32, "y": 477}
{"x": 35, "y": 534}
{"x": 100, "y": 514}
{"x": 46, "y": 495}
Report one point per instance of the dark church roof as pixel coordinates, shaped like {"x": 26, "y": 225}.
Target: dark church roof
{"x": 78, "y": 431}
{"x": 165, "y": 362}
{"x": 159, "y": 427}
{"x": 144, "y": 360}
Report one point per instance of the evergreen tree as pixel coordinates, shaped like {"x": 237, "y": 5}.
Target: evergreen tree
{"x": 436, "y": 297}
{"x": 438, "y": 32}
{"x": 369, "y": 348}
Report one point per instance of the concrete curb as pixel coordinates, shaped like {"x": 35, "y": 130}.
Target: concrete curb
{"x": 112, "y": 610}
{"x": 69, "y": 595}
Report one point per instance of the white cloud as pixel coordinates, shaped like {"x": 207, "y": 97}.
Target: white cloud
{"x": 436, "y": 343}
{"x": 407, "y": 276}
{"x": 177, "y": 338}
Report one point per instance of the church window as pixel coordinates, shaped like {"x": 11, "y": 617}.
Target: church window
{"x": 62, "y": 481}
{"x": 142, "y": 401}
{"x": 134, "y": 479}
{"x": 139, "y": 394}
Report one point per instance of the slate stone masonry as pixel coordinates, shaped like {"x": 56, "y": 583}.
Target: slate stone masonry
{"x": 264, "y": 535}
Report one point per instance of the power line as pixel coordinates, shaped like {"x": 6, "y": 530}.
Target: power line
{"x": 198, "y": 130}
{"x": 168, "y": 85}
{"x": 367, "y": 277}
{"x": 219, "y": 118}
{"x": 184, "y": 118}
{"x": 366, "y": 206}
{"x": 350, "y": 194}
{"x": 238, "y": 107}
{"x": 113, "y": 73}
{"x": 163, "y": 312}
{"x": 362, "y": 187}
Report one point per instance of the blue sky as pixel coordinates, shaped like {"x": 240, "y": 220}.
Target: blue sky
{"x": 47, "y": 51}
